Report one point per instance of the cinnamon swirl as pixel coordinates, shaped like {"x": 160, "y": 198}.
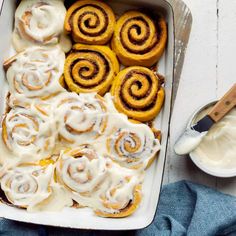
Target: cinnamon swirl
{"x": 138, "y": 93}
{"x": 90, "y": 69}
{"x": 81, "y": 170}
{"x": 35, "y": 72}
{"x": 90, "y": 22}
{"x": 132, "y": 145}
{"x": 122, "y": 195}
{"x": 138, "y": 39}
{"x": 80, "y": 118}
{"x": 27, "y": 185}
{"x": 98, "y": 183}
{"x": 28, "y": 134}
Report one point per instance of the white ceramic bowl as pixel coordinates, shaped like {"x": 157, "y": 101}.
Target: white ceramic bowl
{"x": 211, "y": 170}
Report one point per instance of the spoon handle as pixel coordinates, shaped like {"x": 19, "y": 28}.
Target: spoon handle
{"x": 224, "y": 105}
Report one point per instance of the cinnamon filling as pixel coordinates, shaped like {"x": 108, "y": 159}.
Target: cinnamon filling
{"x": 96, "y": 65}
{"x": 141, "y": 41}
{"x": 87, "y": 22}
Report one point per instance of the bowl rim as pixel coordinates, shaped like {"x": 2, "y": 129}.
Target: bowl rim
{"x": 217, "y": 172}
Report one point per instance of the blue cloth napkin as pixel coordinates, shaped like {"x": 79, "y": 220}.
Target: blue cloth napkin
{"x": 185, "y": 208}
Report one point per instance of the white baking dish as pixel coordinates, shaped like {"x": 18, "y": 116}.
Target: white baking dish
{"x": 85, "y": 218}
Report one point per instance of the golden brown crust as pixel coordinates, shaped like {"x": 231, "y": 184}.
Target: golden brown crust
{"x": 4, "y": 132}
{"x": 90, "y": 69}
{"x": 137, "y": 93}
{"x": 138, "y": 39}
{"x": 90, "y": 22}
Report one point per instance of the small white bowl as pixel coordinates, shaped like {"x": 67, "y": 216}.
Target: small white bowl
{"x": 218, "y": 172}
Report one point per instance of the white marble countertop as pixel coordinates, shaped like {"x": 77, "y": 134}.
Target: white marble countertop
{"x": 207, "y": 74}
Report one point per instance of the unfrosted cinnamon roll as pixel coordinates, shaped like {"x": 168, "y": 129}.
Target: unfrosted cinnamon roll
{"x": 90, "y": 22}
{"x": 138, "y": 93}
{"x": 90, "y": 69}
{"x": 132, "y": 145}
{"x": 27, "y": 185}
{"x": 81, "y": 170}
{"x": 138, "y": 39}
{"x": 80, "y": 118}
{"x": 63, "y": 83}
{"x": 35, "y": 72}
{"x": 27, "y": 133}
{"x": 40, "y": 22}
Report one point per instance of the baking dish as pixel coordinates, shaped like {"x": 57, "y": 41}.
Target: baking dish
{"x": 84, "y": 218}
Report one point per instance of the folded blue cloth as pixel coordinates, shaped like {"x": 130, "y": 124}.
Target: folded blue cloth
{"x": 184, "y": 209}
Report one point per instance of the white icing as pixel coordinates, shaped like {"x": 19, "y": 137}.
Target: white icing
{"x": 109, "y": 189}
{"x": 35, "y": 72}
{"x": 90, "y": 179}
{"x": 217, "y": 149}
{"x": 40, "y": 22}
{"x": 27, "y": 186}
{"x": 131, "y": 144}
{"x": 82, "y": 173}
{"x": 58, "y": 199}
{"x": 80, "y": 118}
{"x": 189, "y": 141}
{"x": 46, "y": 121}
{"x": 30, "y": 135}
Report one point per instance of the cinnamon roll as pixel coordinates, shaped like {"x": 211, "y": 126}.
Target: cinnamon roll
{"x": 132, "y": 145}
{"x": 138, "y": 39}
{"x": 3, "y": 166}
{"x": 123, "y": 209}
{"x": 28, "y": 134}
{"x": 35, "y": 72}
{"x": 90, "y": 22}
{"x": 81, "y": 170}
{"x": 80, "y": 118}
{"x": 138, "y": 93}
{"x": 63, "y": 83}
{"x": 27, "y": 185}
{"x": 43, "y": 108}
{"x": 121, "y": 194}
{"x": 40, "y": 22}
{"x": 97, "y": 183}
{"x": 90, "y": 69}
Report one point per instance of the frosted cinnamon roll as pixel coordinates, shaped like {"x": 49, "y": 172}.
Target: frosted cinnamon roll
{"x": 90, "y": 22}
{"x": 81, "y": 170}
{"x": 138, "y": 93}
{"x": 90, "y": 69}
{"x": 121, "y": 194}
{"x": 40, "y": 22}
{"x": 138, "y": 39}
{"x": 132, "y": 145}
{"x": 80, "y": 118}
{"x": 97, "y": 183}
{"x": 2, "y": 168}
{"x": 43, "y": 108}
{"x": 28, "y": 134}
{"x": 27, "y": 185}
{"x": 35, "y": 72}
